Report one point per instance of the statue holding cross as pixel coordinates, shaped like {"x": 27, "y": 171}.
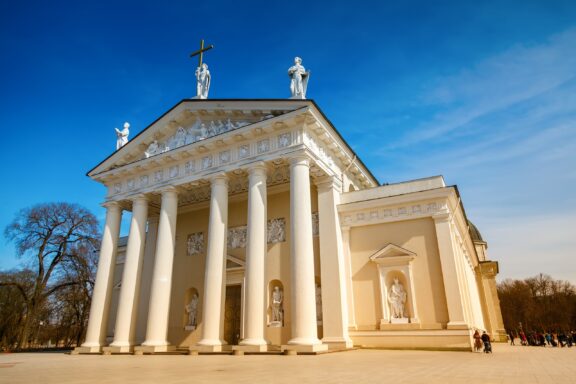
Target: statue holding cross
{"x": 202, "y": 72}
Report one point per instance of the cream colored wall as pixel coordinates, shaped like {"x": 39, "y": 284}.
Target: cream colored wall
{"x": 189, "y": 270}
{"x": 418, "y": 236}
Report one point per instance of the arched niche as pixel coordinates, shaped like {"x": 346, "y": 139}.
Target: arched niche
{"x": 395, "y": 262}
{"x": 275, "y": 312}
{"x": 191, "y": 304}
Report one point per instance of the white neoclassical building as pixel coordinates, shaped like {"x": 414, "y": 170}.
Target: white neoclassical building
{"x": 255, "y": 227}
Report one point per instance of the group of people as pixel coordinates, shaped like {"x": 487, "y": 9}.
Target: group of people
{"x": 541, "y": 339}
{"x": 482, "y": 342}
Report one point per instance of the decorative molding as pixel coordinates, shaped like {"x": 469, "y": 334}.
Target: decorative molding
{"x": 276, "y": 231}
{"x": 377, "y": 215}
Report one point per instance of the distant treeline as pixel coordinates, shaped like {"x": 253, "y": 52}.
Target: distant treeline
{"x": 538, "y": 303}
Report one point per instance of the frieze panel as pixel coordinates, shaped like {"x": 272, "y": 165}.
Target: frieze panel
{"x": 263, "y": 146}
{"x": 276, "y": 230}
{"x": 195, "y": 244}
{"x": 244, "y": 151}
{"x": 376, "y": 215}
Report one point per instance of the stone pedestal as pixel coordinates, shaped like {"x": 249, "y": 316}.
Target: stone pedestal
{"x": 118, "y": 349}
{"x": 142, "y": 349}
{"x": 210, "y": 348}
{"x": 304, "y": 348}
{"x": 250, "y": 348}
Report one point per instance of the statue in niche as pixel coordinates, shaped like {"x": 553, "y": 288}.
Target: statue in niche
{"x": 122, "y": 136}
{"x": 202, "y": 81}
{"x": 192, "y": 311}
{"x": 397, "y": 299}
{"x": 277, "y": 310}
{"x": 298, "y": 79}
{"x": 318, "y": 303}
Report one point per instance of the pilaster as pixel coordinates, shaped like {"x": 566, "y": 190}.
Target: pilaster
{"x": 452, "y": 289}
{"x": 333, "y": 267}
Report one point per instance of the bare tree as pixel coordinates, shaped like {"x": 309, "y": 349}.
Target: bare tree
{"x": 56, "y": 239}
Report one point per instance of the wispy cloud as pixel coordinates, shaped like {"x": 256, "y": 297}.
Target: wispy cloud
{"x": 517, "y": 75}
{"x": 504, "y": 130}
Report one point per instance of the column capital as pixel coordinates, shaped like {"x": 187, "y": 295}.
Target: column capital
{"x": 219, "y": 178}
{"x": 111, "y": 204}
{"x": 326, "y": 183}
{"x": 299, "y": 158}
{"x": 442, "y": 217}
{"x": 168, "y": 190}
{"x": 140, "y": 198}
{"x": 257, "y": 167}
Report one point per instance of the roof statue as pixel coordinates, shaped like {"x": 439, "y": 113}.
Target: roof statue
{"x": 122, "y": 136}
{"x": 298, "y": 79}
{"x": 202, "y": 73}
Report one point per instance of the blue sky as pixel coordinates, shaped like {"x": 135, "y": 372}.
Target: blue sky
{"x": 483, "y": 93}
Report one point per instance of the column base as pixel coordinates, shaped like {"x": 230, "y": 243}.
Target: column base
{"x": 291, "y": 349}
{"x": 250, "y": 348}
{"x": 141, "y": 349}
{"x": 210, "y": 348}
{"x": 457, "y": 325}
{"x": 79, "y": 350}
{"x": 118, "y": 349}
{"x": 338, "y": 343}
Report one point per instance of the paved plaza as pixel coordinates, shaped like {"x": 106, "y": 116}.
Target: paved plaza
{"x": 506, "y": 365}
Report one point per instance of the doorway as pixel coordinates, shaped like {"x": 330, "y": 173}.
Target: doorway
{"x": 232, "y": 314}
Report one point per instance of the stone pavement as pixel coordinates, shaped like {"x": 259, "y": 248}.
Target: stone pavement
{"x": 506, "y": 365}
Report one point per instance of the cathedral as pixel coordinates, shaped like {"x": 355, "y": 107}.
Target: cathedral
{"x": 255, "y": 228}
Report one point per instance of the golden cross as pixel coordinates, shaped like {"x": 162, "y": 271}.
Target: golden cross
{"x": 201, "y": 51}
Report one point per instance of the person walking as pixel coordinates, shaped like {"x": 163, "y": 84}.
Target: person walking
{"x": 477, "y": 341}
{"x": 486, "y": 341}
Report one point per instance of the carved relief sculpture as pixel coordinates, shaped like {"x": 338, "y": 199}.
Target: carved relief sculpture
{"x": 276, "y": 230}
{"x": 195, "y": 243}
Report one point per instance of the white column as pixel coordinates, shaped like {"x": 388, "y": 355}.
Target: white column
{"x": 130, "y": 291}
{"x": 213, "y": 311}
{"x": 256, "y": 245}
{"x": 96, "y": 332}
{"x": 157, "y": 326}
{"x": 146, "y": 279}
{"x": 452, "y": 289}
{"x": 332, "y": 266}
{"x": 303, "y": 292}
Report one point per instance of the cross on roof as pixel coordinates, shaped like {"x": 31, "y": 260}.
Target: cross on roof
{"x": 201, "y": 51}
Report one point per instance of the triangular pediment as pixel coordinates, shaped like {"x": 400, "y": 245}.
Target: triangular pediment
{"x": 392, "y": 253}
{"x": 234, "y": 262}
{"x": 192, "y": 123}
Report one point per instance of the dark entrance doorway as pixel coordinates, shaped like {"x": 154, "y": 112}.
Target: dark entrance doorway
{"x": 232, "y": 314}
